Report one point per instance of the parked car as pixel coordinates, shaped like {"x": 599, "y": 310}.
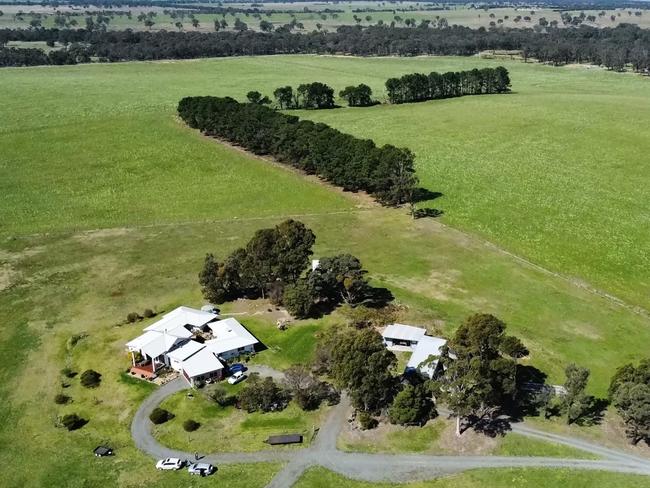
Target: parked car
{"x": 170, "y": 463}
{"x": 237, "y": 367}
{"x": 202, "y": 469}
{"x": 101, "y": 451}
{"x": 236, "y": 378}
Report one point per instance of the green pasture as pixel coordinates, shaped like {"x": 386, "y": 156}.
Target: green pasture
{"x": 488, "y": 478}
{"x": 99, "y": 147}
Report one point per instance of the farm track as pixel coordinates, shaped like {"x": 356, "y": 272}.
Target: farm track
{"x": 376, "y": 467}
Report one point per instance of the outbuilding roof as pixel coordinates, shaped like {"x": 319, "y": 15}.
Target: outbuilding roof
{"x": 404, "y": 332}
{"x": 229, "y": 335}
{"x": 202, "y": 362}
{"x": 427, "y": 346}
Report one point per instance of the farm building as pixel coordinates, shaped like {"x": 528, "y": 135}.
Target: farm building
{"x": 425, "y": 349}
{"x": 171, "y": 342}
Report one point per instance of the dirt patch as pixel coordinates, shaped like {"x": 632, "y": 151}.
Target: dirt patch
{"x": 102, "y": 233}
{"x": 7, "y": 276}
{"x": 469, "y": 442}
{"x": 257, "y": 308}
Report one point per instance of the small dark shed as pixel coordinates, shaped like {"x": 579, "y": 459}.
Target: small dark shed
{"x": 101, "y": 451}
{"x": 275, "y": 440}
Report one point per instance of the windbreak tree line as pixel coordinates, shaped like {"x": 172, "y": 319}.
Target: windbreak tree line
{"x": 613, "y": 48}
{"x": 386, "y": 172}
{"x": 417, "y": 87}
{"x": 314, "y": 95}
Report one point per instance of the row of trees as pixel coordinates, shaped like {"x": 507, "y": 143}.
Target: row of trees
{"x": 358, "y": 96}
{"x": 354, "y": 164}
{"x": 611, "y": 47}
{"x": 314, "y": 95}
{"x": 418, "y": 87}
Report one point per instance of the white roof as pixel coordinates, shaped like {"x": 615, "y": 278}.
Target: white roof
{"x": 160, "y": 345}
{"x": 185, "y": 351}
{"x": 229, "y": 335}
{"x": 142, "y": 340}
{"x": 181, "y": 317}
{"x": 154, "y": 343}
{"x": 427, "y": 346}
{"x": 403, "y": 332}
{"x": 201, "y": 362}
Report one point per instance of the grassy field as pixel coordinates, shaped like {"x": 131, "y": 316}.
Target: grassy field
{"x": 438, "y": 437}
{"x": 98, "y": 147}
{"x": 454, "y": 14}
{"x": 503, "y": 478}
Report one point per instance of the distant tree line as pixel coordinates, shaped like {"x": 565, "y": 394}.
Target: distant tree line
{"x": 386, "y": 172}
{"x": 418, "y": 87}
{"x": 611, "y": 47}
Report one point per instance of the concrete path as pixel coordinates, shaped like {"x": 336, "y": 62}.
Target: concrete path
{"x": 376, "y": 467}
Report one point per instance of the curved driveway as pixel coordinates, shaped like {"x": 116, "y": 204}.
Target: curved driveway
{"x": 376, "y": 467}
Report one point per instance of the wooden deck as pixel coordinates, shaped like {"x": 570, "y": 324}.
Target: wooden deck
{"x": 143, "y": 371}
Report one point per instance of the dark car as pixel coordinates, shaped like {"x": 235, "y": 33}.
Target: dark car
{"x": 101, "y": 451}
{"x": 237, "y": 368}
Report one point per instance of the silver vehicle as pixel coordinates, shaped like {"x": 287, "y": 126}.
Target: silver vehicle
{"x": 202, "y": 469}
{"x": 170, "y": 463}
{"x": 236, "y": 377}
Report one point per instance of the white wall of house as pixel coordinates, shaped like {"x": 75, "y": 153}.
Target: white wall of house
{"x": 228, "y": 355}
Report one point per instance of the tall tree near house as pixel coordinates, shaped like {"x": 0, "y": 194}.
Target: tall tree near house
{"x": 257, "y": 267}
{"x": 479, "y": 381}
{"x": 340, "y": 279}
{"x": 576, "y": 402}
{"x": 630, "y": 394}
{"x": 292, "y": 249}
{"x": 361, "y": 363}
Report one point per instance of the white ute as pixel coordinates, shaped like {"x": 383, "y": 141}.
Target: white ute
{"x": 170, "y": 463}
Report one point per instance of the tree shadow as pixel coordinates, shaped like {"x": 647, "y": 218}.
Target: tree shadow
{"x": 594, "y": 413}
{"x": 421, "y": 213}
{"x": 378, "y": 297}
{"x": 425, "y": 195}
{"x": 492, "y": 427}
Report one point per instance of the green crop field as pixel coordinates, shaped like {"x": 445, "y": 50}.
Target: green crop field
{"x": 108, "y": 205}
{"x": 487, "y": 478}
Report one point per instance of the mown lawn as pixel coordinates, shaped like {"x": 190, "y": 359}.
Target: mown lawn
{"x": 226, "y": 429}
{"x": 437, "y": 438}
{"x": 489, "y": 478}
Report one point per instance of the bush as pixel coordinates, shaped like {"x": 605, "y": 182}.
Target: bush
{"x": 219, "y": 395}
{"x": 148, "y": 313}
{"x": 160, "y": 416}
{"x": 68, "y": 372}
{"x": 191, "y": 425}
{"x": 72, "y": 421}
{"x": 263, "y": 395}
{"x": 61, "y": 399}
{"x": 90, "y": 378}
{"x": 412, "y": 405}
{"x": 133, "y": 317}
{"x": 366, "y": 421}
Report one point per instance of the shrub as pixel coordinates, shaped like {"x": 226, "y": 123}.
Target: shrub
{"x": 160, "y": 416}
{"x": 133, "y": 317}
{"x": 366, "y": 421}
{"x": 412, "y": 405}
{"x": 68, "y": 372}
{"x": 263, "y": 395}
{"x": 72, "y": 421}
{"x": 90, "y": 378}
{"x": 75, "y": 339}
{"x": 61, "y": 399}
{"x": 191, "y": 425}
{"x": 148, "y": 313}
{"x": 219, "y": 395}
